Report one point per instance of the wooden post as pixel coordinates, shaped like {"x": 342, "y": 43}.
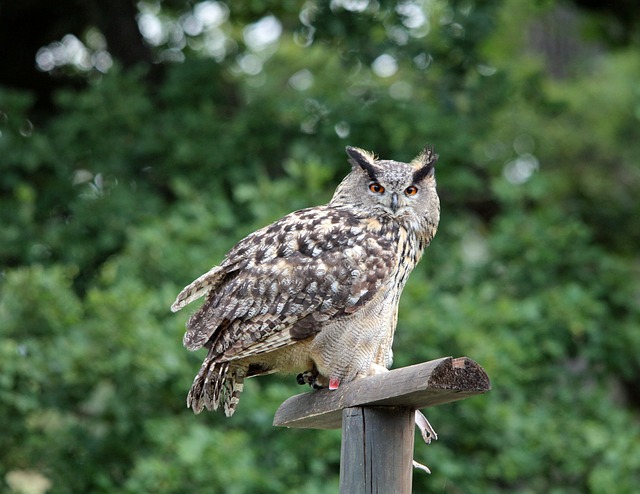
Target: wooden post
{"x": 363, "y": 467}
{"x": 377, "y": 418}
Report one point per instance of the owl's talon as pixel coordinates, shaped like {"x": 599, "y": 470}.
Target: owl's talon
{"x": 428, "y": 434}
{"x": 426, "y": 430}
{"x": 420, "y": 466}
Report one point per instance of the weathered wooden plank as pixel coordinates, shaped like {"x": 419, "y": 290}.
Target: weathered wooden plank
{"x": 418, "y": 386}
{"x": 376, "y": 453}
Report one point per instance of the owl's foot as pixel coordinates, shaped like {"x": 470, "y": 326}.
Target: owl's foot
{"x": 428, "y": 434}
{"x": 310, "y": 377}
{"x": 305, "y": 378}
{"x": 426, "y": 430}
{"x": 377, "y": 369}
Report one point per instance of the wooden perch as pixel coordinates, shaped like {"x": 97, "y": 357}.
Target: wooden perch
{"x": 377, "y": 418}
{"x": 417, "y": 386}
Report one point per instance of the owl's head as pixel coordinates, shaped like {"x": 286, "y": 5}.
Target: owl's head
{"x": 406, "y": 191}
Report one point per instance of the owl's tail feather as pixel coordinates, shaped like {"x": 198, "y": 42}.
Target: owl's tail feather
{"x": 217, "y": 384}
{"x": 198, "y": 288}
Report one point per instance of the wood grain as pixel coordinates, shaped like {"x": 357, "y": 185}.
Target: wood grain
{"x": 377, "y": 449}
{"x": 418, "y": 386}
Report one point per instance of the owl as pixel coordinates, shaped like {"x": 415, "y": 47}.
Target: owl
{"x": 316, "y": 293}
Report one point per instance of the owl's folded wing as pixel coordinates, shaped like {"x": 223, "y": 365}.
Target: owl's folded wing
{"x": 280, "y": 284}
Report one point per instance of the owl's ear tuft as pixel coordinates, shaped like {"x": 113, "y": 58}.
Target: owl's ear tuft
{"x": 363, "y": 159}
{"x": 424, "y": 164}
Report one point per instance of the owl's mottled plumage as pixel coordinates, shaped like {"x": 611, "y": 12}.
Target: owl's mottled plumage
{"x": 317, "y": 291}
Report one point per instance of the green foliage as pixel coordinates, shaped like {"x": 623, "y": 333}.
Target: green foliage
{"x": 133, "y": 188}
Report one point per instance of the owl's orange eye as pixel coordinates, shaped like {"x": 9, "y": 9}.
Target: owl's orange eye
{"x": 376, "y": 187}
{"x": 411, "y": 190}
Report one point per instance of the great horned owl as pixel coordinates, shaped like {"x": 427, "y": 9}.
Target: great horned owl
{"x": 317, "y": 291}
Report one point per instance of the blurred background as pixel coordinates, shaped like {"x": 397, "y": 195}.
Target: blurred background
{"x": 140, "y": 141}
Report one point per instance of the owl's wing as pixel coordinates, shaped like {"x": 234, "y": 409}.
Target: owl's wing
{"x": 280, "y": 283}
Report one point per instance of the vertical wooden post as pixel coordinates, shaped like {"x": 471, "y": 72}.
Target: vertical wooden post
{"x": 377, "y": 450}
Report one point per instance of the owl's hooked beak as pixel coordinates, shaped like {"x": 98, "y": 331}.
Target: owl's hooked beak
{"x": 394, "y": 202}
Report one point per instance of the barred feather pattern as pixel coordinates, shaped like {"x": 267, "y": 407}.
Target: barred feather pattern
{"x": 218, "y": 384}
